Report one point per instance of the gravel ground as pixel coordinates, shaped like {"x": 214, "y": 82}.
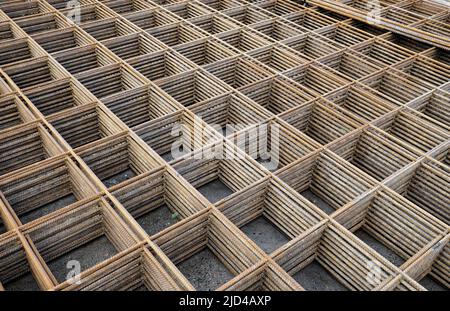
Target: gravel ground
{"x": 215, "y": 191}
{"x": 23, "y": 283}
{"x": 88, "y": 255}
{"x": 48, "y": 208}
{"x": 265, "y": 234}
{"x": 118, "y": 178}
{"x": 205, "y": 271}
{"x": 380, "y": 248}
{"x": 141, "y": 288}
{"x": 157, "y": 220}
{"x": 167, "y": 156}
{"x": 315, "y": 278}
{"x": 324, "y": 206}
{"x": 431, "y": 284}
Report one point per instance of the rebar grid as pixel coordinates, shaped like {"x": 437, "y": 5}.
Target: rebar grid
{"x": 363, "y": 121}
{"x": 422, "y": 20}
